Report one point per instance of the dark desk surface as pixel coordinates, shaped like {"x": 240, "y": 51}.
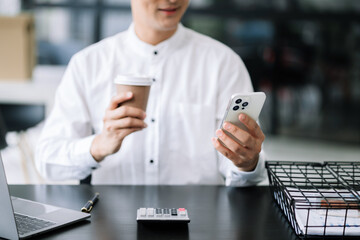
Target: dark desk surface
{"x": 216, "y": 212}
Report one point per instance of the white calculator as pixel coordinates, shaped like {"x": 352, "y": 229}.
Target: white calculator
{"x": 162, "y": 215}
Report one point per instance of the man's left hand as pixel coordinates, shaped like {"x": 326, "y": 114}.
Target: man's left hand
{"x": 244, "y": 153}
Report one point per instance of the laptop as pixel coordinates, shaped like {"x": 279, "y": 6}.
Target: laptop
{"x": 21, "y": 218}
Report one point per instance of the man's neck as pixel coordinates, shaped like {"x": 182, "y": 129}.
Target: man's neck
{"x": 152, "y": 36}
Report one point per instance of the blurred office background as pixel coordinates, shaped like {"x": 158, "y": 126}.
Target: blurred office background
{"x": 305, "y": 54}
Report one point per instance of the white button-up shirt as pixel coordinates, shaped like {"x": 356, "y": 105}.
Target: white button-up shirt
{"x": 193, "y": 79}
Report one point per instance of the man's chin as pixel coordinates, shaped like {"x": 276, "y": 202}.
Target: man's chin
{"x": 168, "y": 27}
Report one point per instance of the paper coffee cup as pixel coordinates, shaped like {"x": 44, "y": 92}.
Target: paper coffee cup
{"x": 137, "y": 84}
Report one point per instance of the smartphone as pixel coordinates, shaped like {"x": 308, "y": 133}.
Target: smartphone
{"x": 248, "y": 103}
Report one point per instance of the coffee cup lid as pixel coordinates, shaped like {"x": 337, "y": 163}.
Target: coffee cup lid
{"x": 134, "y": 80}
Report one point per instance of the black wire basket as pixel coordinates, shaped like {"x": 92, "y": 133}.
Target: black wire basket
{"x": 320, "y": 200}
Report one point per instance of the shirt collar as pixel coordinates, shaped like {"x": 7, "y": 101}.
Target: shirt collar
{"x": 147, "y": 50}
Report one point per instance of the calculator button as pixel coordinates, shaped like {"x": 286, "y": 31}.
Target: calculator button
{"x": 150, "y": 212}
{"x": 182, "y": 212}
{"x": 166, "y": 212}
{"x": 143, "y": 212}
{"x": 173, "y": 212}
{"x": 158, "y": 211}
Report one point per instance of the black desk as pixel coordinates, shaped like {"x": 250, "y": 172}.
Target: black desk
{"x": 216, "y": 212}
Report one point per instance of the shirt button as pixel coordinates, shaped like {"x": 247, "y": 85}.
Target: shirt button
{"x": 153, "y": 120}
{"x": 154, "y": 80}
{"x": 155, "y": 52}
{"x": 151, "y": 161}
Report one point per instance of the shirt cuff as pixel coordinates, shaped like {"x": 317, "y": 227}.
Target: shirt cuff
{"x": 240, "y": 178}
{"x": 81, "y": 153}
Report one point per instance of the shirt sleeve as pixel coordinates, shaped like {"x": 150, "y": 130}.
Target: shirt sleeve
{"x": 235, "y": 177}
{"x": 63, "y": 150}
{"x": 234, "y": 78}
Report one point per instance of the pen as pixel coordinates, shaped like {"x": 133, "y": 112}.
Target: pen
{"x": 89, "y": 204}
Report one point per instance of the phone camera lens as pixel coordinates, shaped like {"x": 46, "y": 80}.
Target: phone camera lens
{"x": 238, "y": 101}
{"x": 245, "y": 104}
{"x": 236, "y": 108}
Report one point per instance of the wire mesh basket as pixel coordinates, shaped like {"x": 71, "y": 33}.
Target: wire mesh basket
{"x": 320, "y": 200}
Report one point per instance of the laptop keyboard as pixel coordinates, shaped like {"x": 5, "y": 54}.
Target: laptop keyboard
{"x": 26, "y": 224}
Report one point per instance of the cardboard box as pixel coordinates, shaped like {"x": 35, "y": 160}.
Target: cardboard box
{"x": 17, "y": 47}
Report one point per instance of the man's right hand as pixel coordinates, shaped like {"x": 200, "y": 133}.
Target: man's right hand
{"x": 118, "y": 123}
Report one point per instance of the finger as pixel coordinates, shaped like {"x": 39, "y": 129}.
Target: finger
{"x": 242, "y": 136}
{"x": 130, "y": 122}
{"x": 223, "y": 150}
{"x": 252, "y": 125}
{"x": 230, "y": 143}
{"x": 125, "y": 111}
{"x": 119, "y": 98}
{"x": 122, "y": 134}
{"x": 242, "y": 162}
{"x": 244, "y": 144}
{"x": 124, "y": 123}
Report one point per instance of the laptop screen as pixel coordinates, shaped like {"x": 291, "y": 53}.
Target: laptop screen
{"x": 7, "y": 221}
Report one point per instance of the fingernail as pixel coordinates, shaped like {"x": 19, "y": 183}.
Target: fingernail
{"x": 145, "y": 125}
{"x": 226, "y": 126}
{"x": 242, "y": 117}
{"x": 213, "y": 140}
{"x": 219, "y": 133}
{"x": 129, "y": 94}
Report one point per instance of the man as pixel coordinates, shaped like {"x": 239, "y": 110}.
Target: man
{"x": 193, "y": 79}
